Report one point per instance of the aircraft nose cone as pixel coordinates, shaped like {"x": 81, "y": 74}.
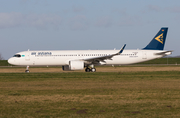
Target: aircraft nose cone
{"x": 11, "y": 61}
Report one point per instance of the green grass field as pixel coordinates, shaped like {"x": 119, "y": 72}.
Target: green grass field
{"x": 3, "y": 63}
{"x": 163, "y": 61}
{"x": 94, "y": 95}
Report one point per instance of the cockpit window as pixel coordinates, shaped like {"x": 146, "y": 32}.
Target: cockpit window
{"x": 17, "y": 55}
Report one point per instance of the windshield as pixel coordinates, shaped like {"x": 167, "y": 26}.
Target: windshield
{"x": 17, "y": 55}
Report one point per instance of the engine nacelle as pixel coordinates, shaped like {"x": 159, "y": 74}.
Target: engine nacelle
{"x": 65, "y": 68}
{"x": 74, "y": 65}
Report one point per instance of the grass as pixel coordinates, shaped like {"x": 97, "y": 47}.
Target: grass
{"x": 100, "y": 94}
{"x": 4, "y": 63}
{"x": 163, "y": 61}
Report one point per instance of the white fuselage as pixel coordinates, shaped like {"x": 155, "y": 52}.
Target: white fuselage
{"x": 51, "y": 58}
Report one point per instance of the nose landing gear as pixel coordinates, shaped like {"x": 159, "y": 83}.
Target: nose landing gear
{"x": 27, "y": 69}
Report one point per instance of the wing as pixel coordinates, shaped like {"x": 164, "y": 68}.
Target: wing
{"x": 103, "y": 58}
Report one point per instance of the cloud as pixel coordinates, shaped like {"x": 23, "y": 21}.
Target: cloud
{"x": 151, "y": 8}
{"x": 120, "y": 11}
{"x": 154, "y": 8}
{"x": 41, "y": 21}
{"x": 126, "y": 21}
{"x": 175, "y": 9}
{"x": 78, "y": 22}
{"x": 78, "y": 9}
{"x": 23, "y": 1}
{"x": 8, "y": 20}
{"x": 104, "y": 22}
{"x": 130, "y": 21}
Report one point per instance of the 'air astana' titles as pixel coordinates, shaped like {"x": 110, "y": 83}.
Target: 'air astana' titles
{"x": 41, "y": 53}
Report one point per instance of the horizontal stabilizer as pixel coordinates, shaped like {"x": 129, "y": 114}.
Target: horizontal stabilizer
{"x": 164, "y": 53}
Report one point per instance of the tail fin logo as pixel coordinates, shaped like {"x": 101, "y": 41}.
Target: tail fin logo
{"x": 160, "y": 38}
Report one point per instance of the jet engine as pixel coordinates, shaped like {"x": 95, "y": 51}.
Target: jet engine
{"x": 74, "y": 65}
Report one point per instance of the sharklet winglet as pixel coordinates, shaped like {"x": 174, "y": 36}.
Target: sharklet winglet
{"x": 122, "y": 49}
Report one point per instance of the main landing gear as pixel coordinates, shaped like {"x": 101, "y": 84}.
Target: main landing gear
{"x": 27, "y": 69}
{"x": 92, "y": 69}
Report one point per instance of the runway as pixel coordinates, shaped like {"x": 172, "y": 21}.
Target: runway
{"x": 98, "y": 69}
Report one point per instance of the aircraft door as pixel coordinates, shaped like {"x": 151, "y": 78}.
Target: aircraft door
{"x": 144, "y": 55}
{"x": 27, "y": 56}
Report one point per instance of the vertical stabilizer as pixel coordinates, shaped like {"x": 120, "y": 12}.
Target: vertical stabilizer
{"x": 158, "y": 42}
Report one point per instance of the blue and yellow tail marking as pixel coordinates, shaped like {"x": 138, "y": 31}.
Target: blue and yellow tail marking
{"x": 157, "y": 43}
{"x": 160, "y": 38}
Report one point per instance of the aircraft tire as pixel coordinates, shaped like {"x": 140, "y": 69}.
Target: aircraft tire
{"x": 87, "y": 69}
{"x": 27, "y": 71}
{"x": 93, "y": 69}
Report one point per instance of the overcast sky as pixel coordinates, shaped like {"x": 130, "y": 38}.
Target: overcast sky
{"x": 86, "y": 24}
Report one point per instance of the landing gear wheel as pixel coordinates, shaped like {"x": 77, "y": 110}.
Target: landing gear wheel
{"x": 87, "y": 69}
{"x": 93, "y": 69}
{"x": 27, "y": 71}
{"x": 90, "y": 69}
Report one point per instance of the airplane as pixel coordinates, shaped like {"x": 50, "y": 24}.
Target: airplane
{"x": 88, "y": 59}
